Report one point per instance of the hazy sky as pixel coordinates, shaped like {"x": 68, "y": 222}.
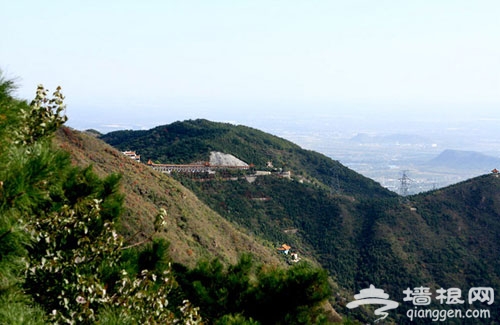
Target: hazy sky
{"x": 159, "y": 61}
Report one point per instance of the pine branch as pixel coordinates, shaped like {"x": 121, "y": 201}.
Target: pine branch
{"x": 137, "y": 244}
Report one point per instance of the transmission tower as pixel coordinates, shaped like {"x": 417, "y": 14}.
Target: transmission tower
{"x": 404, "y": 183}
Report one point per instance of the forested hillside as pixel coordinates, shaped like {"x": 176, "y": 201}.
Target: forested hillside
{"x": 193, "y": 140}
{"x": 193, "y": 230}
{"x": 359, "y": 231}
{"x": 88, "y": 235}
{"x": 78, "y": 245}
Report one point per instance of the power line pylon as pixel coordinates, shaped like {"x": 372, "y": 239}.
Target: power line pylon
{"x": 404, "y": 183}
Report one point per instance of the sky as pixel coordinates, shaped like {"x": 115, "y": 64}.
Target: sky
{"x": 138, "y": 64}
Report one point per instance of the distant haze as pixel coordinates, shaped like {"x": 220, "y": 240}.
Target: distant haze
{"x": 130, "y": 64}
{"x": 315, "y": 72}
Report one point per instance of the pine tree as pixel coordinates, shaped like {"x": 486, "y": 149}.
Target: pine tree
{"x": 15, "y": 306}
{"x": 61, "y": 259}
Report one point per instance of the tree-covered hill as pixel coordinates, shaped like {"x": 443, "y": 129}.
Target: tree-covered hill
{"x": 461, "y": 224}
{"x": 194, "y": 231}
{"x": 362, "y": 233}
{"x": 447, "y": 238}
{"x": 193, "y": 140}
{"x": 87, "y": 236}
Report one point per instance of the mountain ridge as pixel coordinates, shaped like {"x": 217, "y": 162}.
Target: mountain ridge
{"x": 147, "y": 191}
{"x": 362, "y": 233}
{"x": 192, "y": 140}
{"x": 91, "y": 236}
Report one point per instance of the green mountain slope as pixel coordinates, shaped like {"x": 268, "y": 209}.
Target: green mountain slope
{"x": 362, "y": 233}
{"x": 68, "y": 254}
{"x": 194, "y": 230}
{"x": 193, "y": 140}
{"x": 462, "y": 224}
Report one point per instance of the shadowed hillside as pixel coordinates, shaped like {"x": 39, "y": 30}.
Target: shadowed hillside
{"x": 461, "y": 225}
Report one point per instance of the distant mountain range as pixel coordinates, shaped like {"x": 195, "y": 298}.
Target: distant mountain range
{"x": 458, "y": 159}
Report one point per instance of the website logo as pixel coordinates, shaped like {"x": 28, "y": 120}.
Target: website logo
{"x": 421, "y": 298}
{"x": 374, "y": 296}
